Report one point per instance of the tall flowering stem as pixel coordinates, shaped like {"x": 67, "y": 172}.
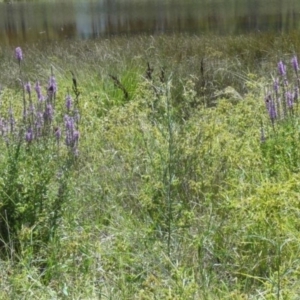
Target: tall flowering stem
{"x": 271, "y": 108}
{"x": 281, "y": 69}
{"x": 11, "y": 119}
{"x": 33, "y": 146}
{"x": 76, "y": 102}
{"x": 69, "y": 102}
{"x": 276, "y": 87}
{"x": 19, "y": 55}
{"x": 52, "y": 88}
{"x": 38, "y": 90}
{"x": 31, "y": 106}
{"x": 72, "y": 134}
{"x": 284, "y": 83}
{"x": 295, "y": 65}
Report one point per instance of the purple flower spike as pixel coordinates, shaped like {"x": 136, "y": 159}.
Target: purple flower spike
{"x": 39, "y": 123}
{"x": 271, "y": 108}
{"x": 281, "y": 69}
{"x": 286, "y": 82}
{"x": 38, "y": 90}
{"x": 48, "y": 113}
{"x": 52, "y": 86}
{"x": 57, "y": 133}
{"x": 69, "y": 102}
{"x": 276, "y": 85}
{"x": 272, "y": 112}
{"x": 289, "y": 99}
{"x": 76, "y": 136}
{"x": 28, "y": 87}
{"x": 295, "y": 63}
{"x": 29, "y": 135}
{"x": 69, "y": 123}
{"x": 19, "y": 54}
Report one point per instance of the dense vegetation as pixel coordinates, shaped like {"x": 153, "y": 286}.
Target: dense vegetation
{"x": 184, "y": 182}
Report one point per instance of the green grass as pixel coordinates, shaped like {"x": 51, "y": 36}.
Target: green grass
{"x": 173, "y": 195}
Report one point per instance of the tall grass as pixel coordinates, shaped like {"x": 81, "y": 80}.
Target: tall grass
{"x": 173, "y": 195}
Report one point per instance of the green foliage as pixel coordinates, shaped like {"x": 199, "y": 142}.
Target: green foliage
{"x": 280, "y": 150}
{"x": 33, "y": 190}
{"x": 173, "y": 195}
{"x": 35, "y": 174}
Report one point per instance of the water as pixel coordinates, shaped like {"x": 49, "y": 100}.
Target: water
{"x": 37, "y": 21}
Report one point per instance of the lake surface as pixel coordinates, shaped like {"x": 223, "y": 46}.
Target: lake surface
{"x": 35, "y": 21}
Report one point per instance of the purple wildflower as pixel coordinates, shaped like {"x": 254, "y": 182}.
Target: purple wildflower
{"x": 57, "y": 133}
{"x": 271, "y": 108}
{"x": 39, "y": 122}
{"x": 28, "y": 88}
{"x": 72, "y": 135}
{"x": 31, "y": 109}
{"x": 289, "y": 99}
{"x": 38, "y": 90}
{"x": 52, "y": 86}
{"x": 69, "y": 123}
{"x": 19, "y": 54}
{"x": 295, "y": 63}
{"x": 72, "y": 139}
{"x": 276, "y": 85}
{"x": 281, "y": 69}
{"x": 286, "y": 82}
{"x": 69, "y": 102}
{"x": 48, "y": 113}
{"x": 29, "y": 135}
{"x": 272, "y": 111}
{"x": 76, "y": 136}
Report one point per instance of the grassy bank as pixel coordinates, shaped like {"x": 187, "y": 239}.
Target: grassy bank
{"x": 185, "y": 186}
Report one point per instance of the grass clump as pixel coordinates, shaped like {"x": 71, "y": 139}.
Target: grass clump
{"x": 184, "y": 189}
